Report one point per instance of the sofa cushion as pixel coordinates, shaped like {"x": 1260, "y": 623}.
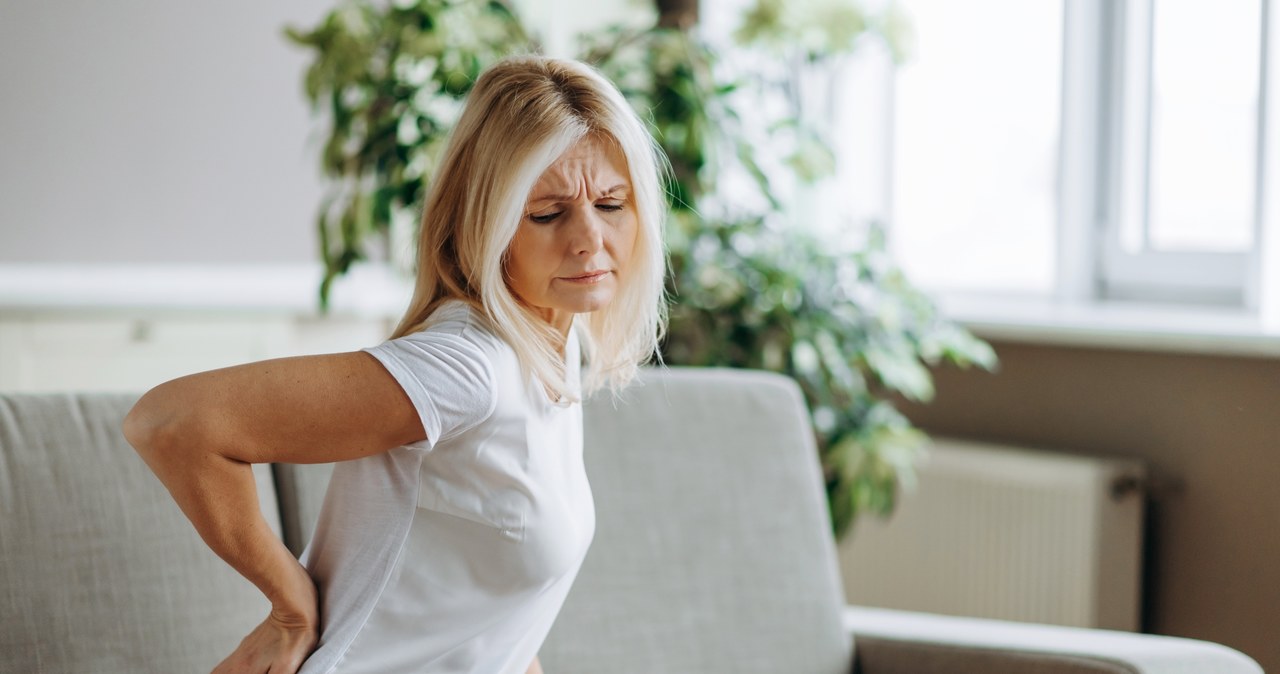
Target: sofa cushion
{"x": 301, "y": 490}
{"x": 713, "y": 550}
{"x": 99, "y": 569}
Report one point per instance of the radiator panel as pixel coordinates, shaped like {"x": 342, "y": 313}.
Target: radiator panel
{"x": 1007, "y": 533}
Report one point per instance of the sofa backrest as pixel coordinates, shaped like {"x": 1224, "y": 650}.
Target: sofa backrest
{"x": 99, "y": 569}
{"x": 713, "y": 550}
{"x": 301, "y": 488}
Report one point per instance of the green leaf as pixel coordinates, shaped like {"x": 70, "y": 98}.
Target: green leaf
{"x": 749, "y": 288}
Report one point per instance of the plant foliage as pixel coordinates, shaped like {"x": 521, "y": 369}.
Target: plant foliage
{"x": 754, "y": 291}
{"x": 391, "y": 81}
{"x": 750, "y": 289}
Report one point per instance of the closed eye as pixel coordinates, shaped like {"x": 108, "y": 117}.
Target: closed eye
{"x": 545, "y": 218}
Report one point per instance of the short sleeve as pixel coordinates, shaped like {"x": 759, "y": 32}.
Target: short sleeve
{"x": 448, "y": 377}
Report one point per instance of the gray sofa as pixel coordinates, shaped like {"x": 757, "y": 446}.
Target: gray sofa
{"x": 712, "y": 554}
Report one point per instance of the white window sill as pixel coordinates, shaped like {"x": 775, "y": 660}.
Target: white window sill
{"x": 1119, "y": 325}
{"x": 377, "y": 292}
{"x": 368, "y": 291}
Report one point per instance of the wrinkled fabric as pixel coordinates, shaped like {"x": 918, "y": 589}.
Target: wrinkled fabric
{"x": 454, "y": 554}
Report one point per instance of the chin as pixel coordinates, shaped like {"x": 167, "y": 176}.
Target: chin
{"x": 589, "y": 303}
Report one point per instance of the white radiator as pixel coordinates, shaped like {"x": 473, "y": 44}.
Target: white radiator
{"x": 1014, "y": 534}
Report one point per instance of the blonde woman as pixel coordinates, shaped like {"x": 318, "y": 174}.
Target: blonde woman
{"x": 459, "y": 514}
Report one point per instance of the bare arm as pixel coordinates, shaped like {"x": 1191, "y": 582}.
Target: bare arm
{"x": 201, "y": 433}
{"x": 534, "y": 667}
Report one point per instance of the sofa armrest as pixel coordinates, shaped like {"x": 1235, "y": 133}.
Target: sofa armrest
{"x": 898, "y": 642}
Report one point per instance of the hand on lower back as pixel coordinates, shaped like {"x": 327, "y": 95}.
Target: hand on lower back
{"x": 282, "y": 642}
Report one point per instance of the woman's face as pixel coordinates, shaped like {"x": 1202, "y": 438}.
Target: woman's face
{"x": 575, "y": 239}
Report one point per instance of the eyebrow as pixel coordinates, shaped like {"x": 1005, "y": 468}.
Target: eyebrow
{"x": 569, "y": 197}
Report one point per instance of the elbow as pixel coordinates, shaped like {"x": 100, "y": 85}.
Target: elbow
{"x": 167, "y": 427}
{"x": 135, "y": 427}
{"x": 147, "y": 425}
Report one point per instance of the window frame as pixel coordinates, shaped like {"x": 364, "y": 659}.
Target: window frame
{"x": 1101, "y": 149}
{"x": 1102, "y": 38}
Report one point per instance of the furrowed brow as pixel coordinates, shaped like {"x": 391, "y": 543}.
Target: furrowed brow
{"x": 624, "y": 187}
{"x": 559, "y": 198}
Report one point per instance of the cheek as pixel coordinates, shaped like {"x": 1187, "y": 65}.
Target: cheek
{"x": 516, "y": 266}
{"x": 526, "y": 258}
{"x": 627, "y": 240}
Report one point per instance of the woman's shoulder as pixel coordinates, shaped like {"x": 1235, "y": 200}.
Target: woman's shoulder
{"x": 465, "y": 326}
{"x": 458, "y": 318}
{"x": 451, "y": 369}
{"x": 455, "y": 334}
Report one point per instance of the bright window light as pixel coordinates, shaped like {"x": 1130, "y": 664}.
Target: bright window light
{"x": 976, "y": 130}
{"x": 1204, "y": 117}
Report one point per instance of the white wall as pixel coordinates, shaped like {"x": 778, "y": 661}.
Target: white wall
{"x": 151, "y": 131}
{"x": 146, "y": 131}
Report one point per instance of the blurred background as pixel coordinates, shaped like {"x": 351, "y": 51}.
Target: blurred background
{"x": 1086, "y": 186}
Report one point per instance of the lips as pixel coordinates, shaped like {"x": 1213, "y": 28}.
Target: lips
{"x": 590, "y": 276}
{"x": 586, "y": 276}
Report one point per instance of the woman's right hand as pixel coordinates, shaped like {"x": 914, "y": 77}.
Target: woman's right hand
{"x": 283, "y": 641}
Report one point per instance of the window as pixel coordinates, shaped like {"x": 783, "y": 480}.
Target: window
{"x": 1086, "y": 149}
{"x": 1183, "y": 111}
{"x": 975, "y": 145}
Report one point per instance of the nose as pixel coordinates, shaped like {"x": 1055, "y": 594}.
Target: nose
{"x": 587, "y": 234}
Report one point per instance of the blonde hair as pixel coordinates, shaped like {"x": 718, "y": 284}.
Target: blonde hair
{"x": 521, "y": 115}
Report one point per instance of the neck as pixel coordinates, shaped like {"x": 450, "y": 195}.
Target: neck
{"x": 560, "y": 321}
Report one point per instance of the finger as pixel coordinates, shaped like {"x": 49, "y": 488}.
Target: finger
{"x": 289, "y": 663}
{"x": 290, "y": 666}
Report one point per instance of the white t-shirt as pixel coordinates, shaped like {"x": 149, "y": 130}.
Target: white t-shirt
{"x": 454, "y": 555}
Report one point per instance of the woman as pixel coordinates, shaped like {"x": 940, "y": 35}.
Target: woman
{"x": 460, "y": 513}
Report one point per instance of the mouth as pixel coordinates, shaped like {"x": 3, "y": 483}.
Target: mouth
{"x": 590, "y": 277}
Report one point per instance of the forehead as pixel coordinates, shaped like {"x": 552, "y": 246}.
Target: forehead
{"x": 593, "y": 162}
